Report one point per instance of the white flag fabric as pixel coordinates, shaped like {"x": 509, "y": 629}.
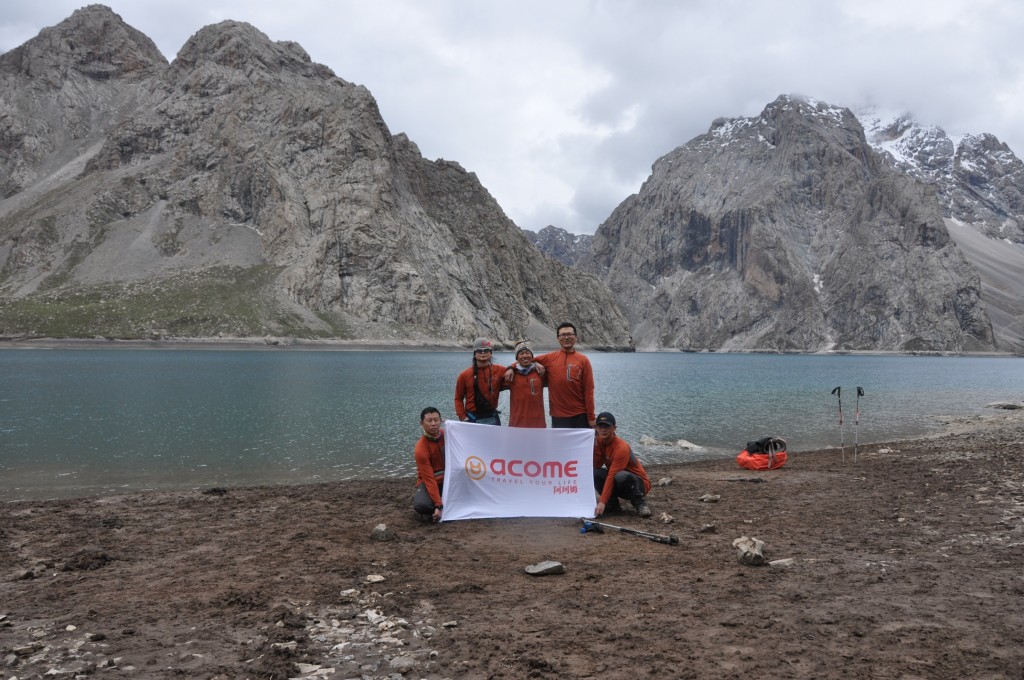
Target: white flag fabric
{"x": 517, "y": 472}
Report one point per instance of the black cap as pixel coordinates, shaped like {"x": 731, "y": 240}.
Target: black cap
{"x": 605, "y": 418}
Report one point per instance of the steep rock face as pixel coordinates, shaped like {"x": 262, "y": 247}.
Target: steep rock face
{"x": 245, "y": 154}
{"x": 787, "y": 232}
{"x": 558, "y": 243}
{"x": 62, "y": 89}
{"x": 979, "y": 180}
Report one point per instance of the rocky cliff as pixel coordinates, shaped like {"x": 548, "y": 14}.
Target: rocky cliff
{"x": 978, "y": 179}
{"x": 979, "y": 182}
{"x": 787, "y": 231}
{"x": 245, "y": 190}
{"x": 558, "y": 243}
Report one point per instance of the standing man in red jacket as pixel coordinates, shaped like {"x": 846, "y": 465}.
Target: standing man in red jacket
{"x": 617, "y": 471}
{"x": 429, "y": 455}
{"x": 570, "y": 382}
{"x": 477, "y": 387}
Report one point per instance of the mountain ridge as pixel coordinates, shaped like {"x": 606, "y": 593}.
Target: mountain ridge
{"x": 787, "y": 231}
{"x": 246, "y": 173}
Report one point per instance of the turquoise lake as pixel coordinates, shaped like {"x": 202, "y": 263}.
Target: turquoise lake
{"x": 97, "y": 421}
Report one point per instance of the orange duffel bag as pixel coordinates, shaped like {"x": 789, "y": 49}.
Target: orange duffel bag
{"x": 764, "y": 454}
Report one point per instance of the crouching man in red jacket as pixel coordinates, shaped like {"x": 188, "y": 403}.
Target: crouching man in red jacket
{"x": 617, "y": 472}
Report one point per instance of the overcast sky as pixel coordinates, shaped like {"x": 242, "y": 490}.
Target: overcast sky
{"x": 560, "y": 107}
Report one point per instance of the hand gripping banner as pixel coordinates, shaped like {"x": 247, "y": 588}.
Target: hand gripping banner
{"x": 517, "y": 472}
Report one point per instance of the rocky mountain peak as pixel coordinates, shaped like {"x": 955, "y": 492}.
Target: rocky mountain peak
{"x": 787, "y": 231}
{"x": 94, "y": 42}
{"x": 242, "y": 47}
{"x": 979, "y": 180}
{"x": 558, "y": 243}
{"x": 245, "y": 190}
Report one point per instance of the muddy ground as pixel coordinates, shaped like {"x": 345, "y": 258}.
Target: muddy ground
{"x": 908, "y": 563}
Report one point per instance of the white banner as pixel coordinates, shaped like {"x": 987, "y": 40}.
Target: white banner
{"x": 517, "y": 472}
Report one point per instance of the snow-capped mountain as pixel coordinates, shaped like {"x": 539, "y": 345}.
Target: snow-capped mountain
{"x": 979, "y": 180}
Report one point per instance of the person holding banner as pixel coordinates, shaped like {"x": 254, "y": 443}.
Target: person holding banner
{"x": 526, "y": 390}
{"x": 617, "y": 471}
{"x": 477, "y": 387}
{"x": 429, "y": 455}
{"x": 570, "y": 382}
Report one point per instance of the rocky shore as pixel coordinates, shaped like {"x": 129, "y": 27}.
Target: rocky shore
{"x": 904, "y": 562}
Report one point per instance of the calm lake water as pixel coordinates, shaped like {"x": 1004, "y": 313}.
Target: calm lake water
{"x": 89, "y": 422}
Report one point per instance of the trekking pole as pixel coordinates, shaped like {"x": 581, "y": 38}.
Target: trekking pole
{"x": 856, "y": 422}
{"x": 838, "y": 391}
{"x": 593, "y": 525}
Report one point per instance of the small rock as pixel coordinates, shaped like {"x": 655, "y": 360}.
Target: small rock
{"x": 710, "y": 498}
{"x": 382, "y": 533}
{"x": 708, "y": 529}
{"x": 374, "y": 616}
{"x": 449, "y": 624}
{"x": 751, "y": 551}
{"x": 782, "y": 564}
{"x": 374, "y": 578}
{"x": 545, "y": 568}
{"x": 10, "y": 660}
{"x": 402, "y": 663}
{"x": 665, "y": 481}
{"x": 666, "y": 518}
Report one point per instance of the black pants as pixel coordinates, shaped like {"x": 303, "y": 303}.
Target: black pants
{"x": 627, "y": 485}
{"x": 421, "y": 502}
{"x": 572, "y": 421}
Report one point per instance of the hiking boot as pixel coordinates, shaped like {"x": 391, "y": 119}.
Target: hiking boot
{"x": 614, "y": 506}
{"x": 642, "y": 509}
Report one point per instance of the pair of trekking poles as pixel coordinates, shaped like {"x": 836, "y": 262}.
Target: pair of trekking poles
{"x": 838, "y": 391}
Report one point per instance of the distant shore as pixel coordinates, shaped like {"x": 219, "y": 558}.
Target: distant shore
{"x": 393, "y": 345}
{"x": 233, "y": 343}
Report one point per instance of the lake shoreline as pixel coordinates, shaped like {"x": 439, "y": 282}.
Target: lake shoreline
{"x": 900, "y": 563}
{"x": 378, "y": 345}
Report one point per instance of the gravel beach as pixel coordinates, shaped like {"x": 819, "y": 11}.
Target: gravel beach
{"x": 906, "y": 563}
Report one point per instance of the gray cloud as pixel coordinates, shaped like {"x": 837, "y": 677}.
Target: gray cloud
{"x": 560, "y": 108}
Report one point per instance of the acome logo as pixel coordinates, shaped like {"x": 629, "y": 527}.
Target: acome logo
{"x": 476, "y": 468}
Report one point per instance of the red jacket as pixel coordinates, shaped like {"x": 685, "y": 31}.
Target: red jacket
{"x": 526, "y": 400}
{"x": 429, "y": 456}
{"x": 490, "y": 379}
{"x": 570, "y": 384}
{"x": 616, "y": 455}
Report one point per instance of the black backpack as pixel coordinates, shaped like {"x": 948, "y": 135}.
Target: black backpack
{"x": 767, "y": 445}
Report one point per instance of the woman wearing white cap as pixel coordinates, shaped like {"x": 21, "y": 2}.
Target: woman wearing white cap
{"x": 526, "y": 390}
{"x": 477, "y": 387}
